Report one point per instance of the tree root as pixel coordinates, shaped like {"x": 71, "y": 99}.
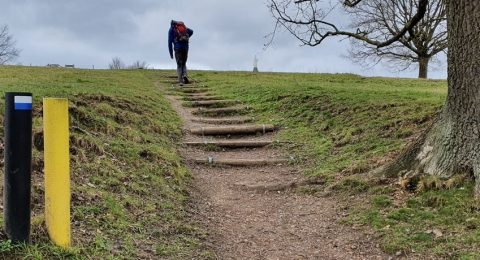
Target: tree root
{"x": 407, "y": 160}
{"x": 436, "y": 160}
{"x": 426, "y": 183}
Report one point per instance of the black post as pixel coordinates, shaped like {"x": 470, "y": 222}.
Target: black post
{"x": 18, "y": 160}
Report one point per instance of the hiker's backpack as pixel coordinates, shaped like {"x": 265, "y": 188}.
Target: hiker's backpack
{"x": 181, "y": 32}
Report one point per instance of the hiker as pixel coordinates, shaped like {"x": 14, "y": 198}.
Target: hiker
{"x": 178, "y": 38}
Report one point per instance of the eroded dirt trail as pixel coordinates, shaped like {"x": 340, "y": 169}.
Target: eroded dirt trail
{"x": 250, "y": 212}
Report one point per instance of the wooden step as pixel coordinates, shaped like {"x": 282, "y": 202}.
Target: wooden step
{"x": 220, "y": 111}
{"x": 232, "y": 144}
{"x": 201, "y": 98}
{"x": 193, "y": 87}
{"x": 224, "y": 121}
{"x": 198, "y": 94}
{"x": 233, "y": 130}
{"x": 241, "y": 162}
{"x": 213, "y": 103}
{"x": 193, "y": 90}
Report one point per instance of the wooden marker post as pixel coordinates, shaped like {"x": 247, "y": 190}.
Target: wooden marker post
{"x": 57, "y": 170}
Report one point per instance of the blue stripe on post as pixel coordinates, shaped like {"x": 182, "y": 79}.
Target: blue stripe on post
{"x": 22, "y": 102}
{"x": 23, "y": 106}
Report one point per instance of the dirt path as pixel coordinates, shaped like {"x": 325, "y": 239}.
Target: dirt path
{"x": 250, "y": 213}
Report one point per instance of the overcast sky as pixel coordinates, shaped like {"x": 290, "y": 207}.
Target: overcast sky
{"x": 227, "y": 36}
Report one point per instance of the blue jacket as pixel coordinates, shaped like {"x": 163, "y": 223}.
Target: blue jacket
{"x": 175, "y": 44}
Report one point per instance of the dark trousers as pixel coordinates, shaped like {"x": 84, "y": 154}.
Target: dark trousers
{"x": 181, "y": 56}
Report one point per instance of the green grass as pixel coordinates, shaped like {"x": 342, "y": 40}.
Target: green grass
{"x": 345, "y": 125}
{"x": 409, "y": 227}
{"x": 130, "y": 190}
{"x": 129, "y": 187}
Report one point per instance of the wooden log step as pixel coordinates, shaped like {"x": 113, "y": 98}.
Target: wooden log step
{"x": 201, "y": 98}
{"x": 224, "y": 121}
{"x": 193, "y": 90}
{"x": 220, "y": 111}
{"x": 193, "y": 86}
{"x": 232, "y": 144}
{"x": 213, "y": 103}
{"x": 233, "y": 130}
{"x": 198, "y": 94}
{"x": 241, "y": 162}
{"x": 276, "y": 187}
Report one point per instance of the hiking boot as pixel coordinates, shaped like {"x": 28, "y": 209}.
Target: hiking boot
{"x": 185, "y": 80}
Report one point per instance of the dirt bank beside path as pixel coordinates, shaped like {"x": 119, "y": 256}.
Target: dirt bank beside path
{"x": 250, "y": 212}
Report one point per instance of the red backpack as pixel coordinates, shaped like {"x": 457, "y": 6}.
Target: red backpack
{"x": 181, "y": 33}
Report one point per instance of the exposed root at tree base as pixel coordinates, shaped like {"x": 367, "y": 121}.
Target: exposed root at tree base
{"x": 436, "y": 160}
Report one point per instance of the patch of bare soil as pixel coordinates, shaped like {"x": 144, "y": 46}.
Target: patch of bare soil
{"x": 255, "y": 212}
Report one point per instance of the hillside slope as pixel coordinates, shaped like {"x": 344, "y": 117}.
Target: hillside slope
{"x": 129, "y": 196}
{"x": 130, "y": 188}
{"x": 341, "y": 126}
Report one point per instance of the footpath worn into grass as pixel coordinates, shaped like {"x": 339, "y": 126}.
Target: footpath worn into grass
{"x": 244, "y": 196}
{"x": 129, "y": 187}
{"x": 341, "y": 126}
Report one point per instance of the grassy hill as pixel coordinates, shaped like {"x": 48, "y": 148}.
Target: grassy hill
{"x": 130, "y": 189}
{"x": 340, "y": 126}
{"x": 129, "y": 196}
{"x": 346, "y": 123}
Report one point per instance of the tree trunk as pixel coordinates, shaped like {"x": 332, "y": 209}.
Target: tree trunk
{"x": 423, "y": 67}
{"x": 452, "y": 145}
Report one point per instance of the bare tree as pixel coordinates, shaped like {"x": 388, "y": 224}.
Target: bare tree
{"x": 8, "y": 52}
{"x": 116, "y": 64}
{"x": 139, "y": 65}
{"x": 306, "y": 20}
{"x": 384, "y": 18}
{"x": 452, "y": 145}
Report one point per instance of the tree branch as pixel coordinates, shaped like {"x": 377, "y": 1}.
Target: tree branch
{"x": 329, "y": 29}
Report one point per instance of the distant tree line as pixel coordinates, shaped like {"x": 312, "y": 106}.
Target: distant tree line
{"x": 118, "y": 64}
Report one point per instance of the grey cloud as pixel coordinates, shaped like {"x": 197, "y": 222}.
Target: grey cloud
{"x": 227, "y": 35}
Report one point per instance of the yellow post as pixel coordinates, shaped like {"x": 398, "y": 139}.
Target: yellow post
{"x": 57, "y": 170}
